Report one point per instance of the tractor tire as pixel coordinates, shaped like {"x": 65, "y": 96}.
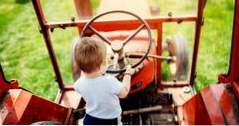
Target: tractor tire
{"x": 177, "y": 47}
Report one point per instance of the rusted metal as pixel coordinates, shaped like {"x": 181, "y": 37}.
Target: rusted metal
{"x": 46, "y": 35}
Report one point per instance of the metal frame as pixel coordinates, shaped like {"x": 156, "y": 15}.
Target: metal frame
{"x": 154, "y": 23}
{"x": 233, "y": 71}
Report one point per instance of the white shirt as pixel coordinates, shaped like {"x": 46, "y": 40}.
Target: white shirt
{"x": 100, "y": 95}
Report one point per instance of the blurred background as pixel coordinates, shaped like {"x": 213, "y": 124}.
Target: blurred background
{"x": 24, "y": 56}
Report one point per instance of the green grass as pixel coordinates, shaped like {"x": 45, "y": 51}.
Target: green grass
{"x": 24, "y": 56}
{"x": 23, "y": 52}
{"x": 214, "y": 52}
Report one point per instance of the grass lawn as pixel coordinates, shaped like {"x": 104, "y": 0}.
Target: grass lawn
{"x": 214, "y": 52}
{"x": 24, "y": 57}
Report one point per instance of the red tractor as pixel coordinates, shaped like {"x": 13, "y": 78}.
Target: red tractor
{"x": 130, "y": 40}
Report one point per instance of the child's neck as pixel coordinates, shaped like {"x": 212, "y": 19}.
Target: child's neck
{"x": 93, "y": 74}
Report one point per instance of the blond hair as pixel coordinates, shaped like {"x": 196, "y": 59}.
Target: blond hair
{"x": 90, "y": 53}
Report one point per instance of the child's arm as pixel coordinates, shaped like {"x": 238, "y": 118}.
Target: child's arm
{"x": 126, "y": 82}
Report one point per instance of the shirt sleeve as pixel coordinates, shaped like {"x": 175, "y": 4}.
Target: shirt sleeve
{"x": 77, "y": 87}
{"x": 116, "y": 85}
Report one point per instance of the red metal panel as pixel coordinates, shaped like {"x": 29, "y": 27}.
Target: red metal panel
{"x": 212, "y": 107}
{"x": 5, "y": 109}
{"x": 226, "y": 102}
{"x": 194, "y": 112}
{"x": 21, "y": 107}
{"x": 41, "y": 110}
{"x": 145, "y": 76}
{"x": 215, "y": 104}
{"x": 10, "y": 110}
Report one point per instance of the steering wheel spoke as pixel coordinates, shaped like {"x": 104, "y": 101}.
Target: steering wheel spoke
{"x": 99, "y": 35}
{"x": 134, "y": 34}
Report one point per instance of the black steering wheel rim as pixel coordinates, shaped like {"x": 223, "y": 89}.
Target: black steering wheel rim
{"x": 129, "y": 13}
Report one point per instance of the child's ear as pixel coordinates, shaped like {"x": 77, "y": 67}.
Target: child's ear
{"x": 104, "y": 61}
{"x": 103, "y": 68}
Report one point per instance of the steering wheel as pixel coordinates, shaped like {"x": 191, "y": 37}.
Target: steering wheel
{"x": 118, "y": 46}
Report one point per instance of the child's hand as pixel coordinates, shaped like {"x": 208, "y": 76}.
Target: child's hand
{"x": 129, "y": 70}
{"x": 140, "y": 66}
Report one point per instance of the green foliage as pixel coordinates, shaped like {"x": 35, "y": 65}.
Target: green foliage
{"x": 214, "y": 53}
{"x": 23, "y": 53}
{"x": 22, "y": 1}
